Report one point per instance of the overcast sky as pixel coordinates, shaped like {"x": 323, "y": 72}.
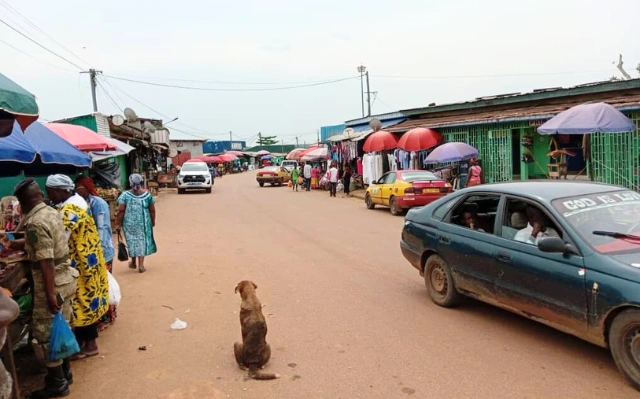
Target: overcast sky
{"x": 417, "y": 52}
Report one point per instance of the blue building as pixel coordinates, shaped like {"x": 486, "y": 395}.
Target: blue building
{"x": 214, "y": 147}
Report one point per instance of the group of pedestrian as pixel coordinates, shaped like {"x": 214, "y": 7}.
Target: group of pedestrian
{"x": 69, "y": 243}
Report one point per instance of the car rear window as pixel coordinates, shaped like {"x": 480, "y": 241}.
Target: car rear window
{"x": 194, "y": 167}
{"x": 411, "y": 177}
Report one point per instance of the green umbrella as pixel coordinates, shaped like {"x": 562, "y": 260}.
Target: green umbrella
{"x": 15, "y": 103}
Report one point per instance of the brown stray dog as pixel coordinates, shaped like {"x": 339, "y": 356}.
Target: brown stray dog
{"x": 254, "y": 351}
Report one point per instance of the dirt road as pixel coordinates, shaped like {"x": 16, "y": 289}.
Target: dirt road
{"x": 348, "y": 317}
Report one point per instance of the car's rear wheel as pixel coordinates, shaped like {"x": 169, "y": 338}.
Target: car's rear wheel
{"x": 181, "y": 191}
{"x": 624, "y": 342}
{"x": 439, "y": 282}
{"x": 208, "y": 190}
{"x": 368, "y": 201}
{"x": 394, "y": 208}
{"x": 261, "y": 184}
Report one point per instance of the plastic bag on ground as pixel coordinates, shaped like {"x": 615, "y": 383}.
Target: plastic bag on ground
{"x": 63, "y": 341}
{"x": 114, "y": 291}
{"x": 178, "y": 324}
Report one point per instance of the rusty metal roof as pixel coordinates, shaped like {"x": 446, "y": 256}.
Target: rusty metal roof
{"x": 533, "y": 112}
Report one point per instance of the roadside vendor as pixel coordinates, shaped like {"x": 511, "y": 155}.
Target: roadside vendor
{"x": 48, "y": 250}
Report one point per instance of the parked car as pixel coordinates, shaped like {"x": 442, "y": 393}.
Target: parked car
{"x": 404, "y": 189}
{"x": 289, "y": 164}
{"x": 273, "y": 175}
{"x": 195, "y": 175}
{"x": 580, "y": 275}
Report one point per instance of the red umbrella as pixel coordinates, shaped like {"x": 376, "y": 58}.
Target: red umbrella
{"x": 236, "y": 153}
{"x": 81, "y": 137}
{"x": 262, "y": 152}
{"x": 227, "y": 158}
{"x": 307, "y": 150}
{"x": 380, "y": 140}
{"x": 209, "y": 158}
{"x": 419, "y": 139}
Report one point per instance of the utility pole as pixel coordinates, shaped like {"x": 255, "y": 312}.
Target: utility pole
{"x": 318, "y": 134}
{"x": 92, "y": 78}
{"x": 260, "y": 139}
{"x": 362, "y": 69}
{"x": 282, "y": 150}
{"x": 230, "y": 135}
{"x": 297, "y": 145}
{"x": 368, "y": 95}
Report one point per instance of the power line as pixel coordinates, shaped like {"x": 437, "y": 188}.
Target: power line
{"x": 219, "y": 89}
{"x": 28, "y": 21}
{"x": 104, "y": 89}
{"x": 484, "y": 76}
{"x": 40, "y": 45}
{"x": 216, "y": 81}
{"x": 35, "y": 58}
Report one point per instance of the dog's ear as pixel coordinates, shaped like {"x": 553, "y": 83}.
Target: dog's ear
{"x": 254, "y": 285}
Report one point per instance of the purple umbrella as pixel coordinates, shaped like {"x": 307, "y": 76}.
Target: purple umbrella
{"x": 588, "y": 118}
{"x": 452, "y": 152}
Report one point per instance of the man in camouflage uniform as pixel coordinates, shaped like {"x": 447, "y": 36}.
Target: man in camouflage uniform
{"x": 47, "y": 245}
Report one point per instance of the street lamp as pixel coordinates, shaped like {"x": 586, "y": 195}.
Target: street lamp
{"x": 172, "y": 120}
{"x": 362, "y": 69}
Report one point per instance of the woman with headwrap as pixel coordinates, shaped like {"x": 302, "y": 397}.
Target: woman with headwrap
{"x": 99, "y": 211}
{"x": 137, "y": 216}
{"x": 85, "y": 252}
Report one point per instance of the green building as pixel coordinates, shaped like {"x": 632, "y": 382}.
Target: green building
{"x": 503, "y": 129}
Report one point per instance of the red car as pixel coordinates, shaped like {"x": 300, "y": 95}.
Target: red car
{"x": 404, "y": 189}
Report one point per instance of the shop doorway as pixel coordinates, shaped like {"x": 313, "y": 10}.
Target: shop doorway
{"x": 515, "y": 155}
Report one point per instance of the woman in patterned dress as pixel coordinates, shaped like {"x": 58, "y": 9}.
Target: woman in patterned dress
{"x": 85, "y": 252}
{"x": 137, "y": 216}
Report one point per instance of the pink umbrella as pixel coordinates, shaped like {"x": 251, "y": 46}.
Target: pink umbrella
{"x": 262, "y": 152}
{"x": 227, "y": 157}
{"x": 81, "y": 137}
{"x": 236, "y": 153}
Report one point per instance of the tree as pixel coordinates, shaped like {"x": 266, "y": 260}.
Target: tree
{"x": 267, "y": 140}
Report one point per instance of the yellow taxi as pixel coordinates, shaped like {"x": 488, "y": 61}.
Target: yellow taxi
{"x": 404, "y": 189}
{"x": 274, "y": 175}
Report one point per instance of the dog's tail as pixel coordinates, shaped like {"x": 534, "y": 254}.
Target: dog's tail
{"x": 258, "y": 375}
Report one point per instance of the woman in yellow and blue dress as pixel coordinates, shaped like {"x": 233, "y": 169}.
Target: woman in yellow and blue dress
{"x": 85, "y": 253}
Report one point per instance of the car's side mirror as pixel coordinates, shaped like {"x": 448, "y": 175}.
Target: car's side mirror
{"x": 555, "y": 245}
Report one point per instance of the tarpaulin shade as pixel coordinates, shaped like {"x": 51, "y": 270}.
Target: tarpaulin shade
{"x": 81, "y": 137}
{"x": 588, "y": 118}
{"x": 262, "y": 152}
{"x": 419, "y": 139}
{"x": 18, "y": 102}
{"x": 295, "y": 154}
{"x": 380, "y": 141}
{"x": 316, "y": 154}
{"x": 52, "y": 148}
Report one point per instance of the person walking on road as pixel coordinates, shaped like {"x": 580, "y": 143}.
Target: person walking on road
{"x": 47, "y": 247}
{"x": 295, "y": 173}
{"x": 333, "y": 180}
{"x": 137, "y": 217}
{"x": 307, "y": 176}
{"x": 99, "y": 211}
{"x": 475, "y": 174}
{"x": 315, "y": 175}
{"x": 85, "y": 252}
{"x": 346, "y": 180}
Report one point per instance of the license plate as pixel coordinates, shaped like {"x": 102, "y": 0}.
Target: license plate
{"x": 431, "y": 190}
{"x": 193, "y": 184}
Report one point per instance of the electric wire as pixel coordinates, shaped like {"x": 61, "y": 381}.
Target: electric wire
{"x": 483, "y": 76}
{"x": 35, "y": 58}
{"x": 40, "y": 45}
{"x": 216, "y": 81}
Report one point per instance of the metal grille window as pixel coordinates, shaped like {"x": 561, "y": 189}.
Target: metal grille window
{"x": 615, "y": 157}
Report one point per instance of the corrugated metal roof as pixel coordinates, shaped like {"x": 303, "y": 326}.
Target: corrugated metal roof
{"x": 539, "y": 112}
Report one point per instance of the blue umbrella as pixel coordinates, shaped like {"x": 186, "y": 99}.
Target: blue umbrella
{"x": 451, "y": 152}
{"x": 266, "y": 157}
{"x": 16, "y": 148}
{"x": 52, "y": 148}
{"x": 588, "y": 118}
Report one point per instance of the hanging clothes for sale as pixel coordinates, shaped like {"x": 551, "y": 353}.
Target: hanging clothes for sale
{"x": 392, "y": 163}
{"x": 359, "y": 166}
{"x": 412, "y": 162}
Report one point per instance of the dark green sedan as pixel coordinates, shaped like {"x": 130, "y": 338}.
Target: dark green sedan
{"x": 566, "y": 254}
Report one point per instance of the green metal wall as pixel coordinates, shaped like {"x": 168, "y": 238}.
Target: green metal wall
{"x": 88, "y": 121}
{"x": 615, "y": 157}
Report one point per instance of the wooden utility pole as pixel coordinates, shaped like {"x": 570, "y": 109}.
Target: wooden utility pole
{"x": 94, "y": 83}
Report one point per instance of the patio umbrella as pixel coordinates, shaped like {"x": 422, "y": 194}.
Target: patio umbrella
{"x": 419, "y": 139}
{"x": 588, "y": 118}
{"x": 295, "y": 154}
{"x": 227, "y": 158}
{"x": 236, "y": 153}
{"x": 316, "y": 154}
{"x": 210, "y": 158}
{"x": 266, "y": 157}
{"x": 81, "y": 137}
{"x": 381, "y": 140}
{"x": 452, "y": 152}
{"x": 262, "y": 152}
{"x": 16, "y": 148}
{"x": 18, "y": 103}
{"x": 52, "y": 148}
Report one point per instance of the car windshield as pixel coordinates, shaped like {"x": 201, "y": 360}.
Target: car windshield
{"x": 194, "y": 167}
{"x": 410, "y": 177}
{"x": 609, "y": 212}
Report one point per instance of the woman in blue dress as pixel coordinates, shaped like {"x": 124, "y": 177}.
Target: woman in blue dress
{"x": 137, "y": 217}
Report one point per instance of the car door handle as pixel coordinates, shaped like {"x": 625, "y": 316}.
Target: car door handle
{"x": 445, "y": 239}
{"x": 502, "y": 257}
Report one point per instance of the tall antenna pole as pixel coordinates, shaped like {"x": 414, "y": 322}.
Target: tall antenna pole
{"x": 230, "y": 135}
{"x": 368, "y": 95}
{"x": 362, "y": 69}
